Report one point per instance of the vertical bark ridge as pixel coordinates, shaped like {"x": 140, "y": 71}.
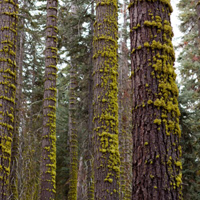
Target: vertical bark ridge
{"x": 48, "y": 162}
{"x": 156, "y": 133}
{"x": 105, "y": 103}
{"x": 8, "y": 37}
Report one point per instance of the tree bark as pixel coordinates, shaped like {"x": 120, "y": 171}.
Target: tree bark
{"x": 48, "y": 159}
{"x": 73, "y": 116}
{"x": 156, "y": 133}
{"x": 15, "y": 146}
{"x": 73, "y": 137}
{"x": 90, "y": 169}
{"x": 105, "y": 102}
{"x": 125, "y": 137}
{"x": 8, "y": 37}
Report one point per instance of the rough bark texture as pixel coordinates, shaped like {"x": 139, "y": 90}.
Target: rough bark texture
{"x": 8, "y": 34}
{"x": 90, "y": 158}
{"x": 125, "y": 136}
{"x": 48, "y": 160}
{"x": 73, "y": 137}
{"x": 156, "y": 132}
{"x": 15, "y": 146}
{"x": 72, "y": 195}
{"x": 105, "y": 103}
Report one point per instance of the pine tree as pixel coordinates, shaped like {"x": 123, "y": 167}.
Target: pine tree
{"x": 125, "y": 137}
{"x": 73, "y": 135}
{"x": 89, "y": 158}
{"x": 8, "y": 37}
{"x": 189, "y": 96}
{"x": 75, "y": 41}
{"x": 105, "y": 106}
{"x": 13, "y": 185}
{"x": 156, "y": 133}
{"x": 48, "y": 160}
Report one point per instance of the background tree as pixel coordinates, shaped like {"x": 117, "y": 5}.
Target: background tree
{"x": 75, "y": 41}
{"x": 156, "y": 132}
{"x": 189, "y": 96}
{"x": 125, "y": 137}
{"x": 31, "y": 98}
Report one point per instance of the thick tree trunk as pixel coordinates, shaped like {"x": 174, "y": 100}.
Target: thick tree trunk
{"x": 48, "y": 161}
{"x": 156, "y": 132}
{"x": 15, "y": 147}
{"x": 105, "y": 103}
{"x": 8, "y": 36}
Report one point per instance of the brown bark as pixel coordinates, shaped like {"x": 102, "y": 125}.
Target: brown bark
{"x": 8, "y": 35}
{"x": 90, "y": 170}
{"x": 15, "y": 146}
{"x": 48, "y": 159}
{"x": 156, "y": 132}
{"x": 73, "y": 136}
{"x": 125, "y": 137}
{"x": 105, "y": 103}
{"x": 73, "y": 116}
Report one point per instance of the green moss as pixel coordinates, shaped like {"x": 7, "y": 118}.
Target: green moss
{"x": 146, "y": 143}
{"x": 106, "y": 121}
{"x": 157, "y": 121}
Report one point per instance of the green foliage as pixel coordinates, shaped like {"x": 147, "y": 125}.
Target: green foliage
{"x": 74, "y": 46}
{"x": 31, "y": 43}
{"x": 189, "y": 60}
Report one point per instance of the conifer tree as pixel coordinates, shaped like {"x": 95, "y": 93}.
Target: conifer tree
{"x": 105, "y": 103}
{"x": 125, "y": 137}
{"x": 73, "y": 135}
{"x": 74, "y": 46}
{"x": 8, "y": 37}
{"x": 189, "y": 96}
{"x": 13, "y": 185}
{"x": 156, "y": 133}
{"x": 72, "y": 115}
{"x": 48, "y": 159}
{"x": 90, "y": 169}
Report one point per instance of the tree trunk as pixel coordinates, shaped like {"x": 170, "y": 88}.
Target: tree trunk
{"x": 156, "y": 132}
{"x": 15, "y": 146}
{"x": 48, "y": 160}
{"x": 73, "y": 137}
{"x": 90, "y": 170}
{"x": 105, "y": 103}
{"x": 72, "y": 116}
{"x": 125, "y": 137}
{"x": 8, "y": 37}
